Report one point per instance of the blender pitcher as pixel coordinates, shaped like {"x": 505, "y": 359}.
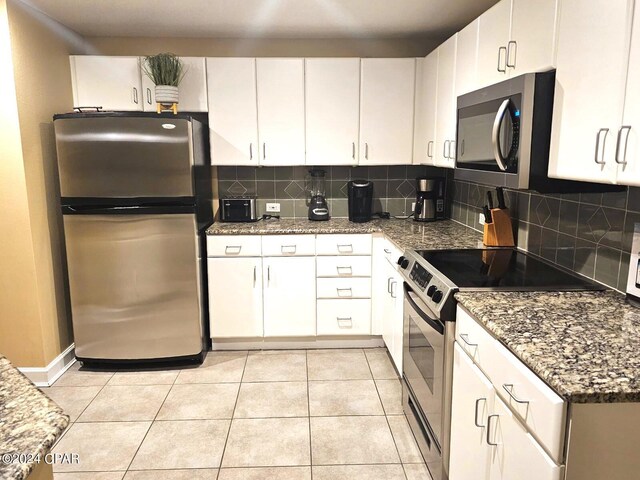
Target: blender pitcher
{"x": 316, "y": 190}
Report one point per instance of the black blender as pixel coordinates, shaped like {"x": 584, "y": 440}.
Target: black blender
{"x": 318, "y": 209}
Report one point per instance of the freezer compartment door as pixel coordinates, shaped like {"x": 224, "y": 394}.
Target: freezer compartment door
{"x": 135, "y": 286}
{"x": 119, "y": 156}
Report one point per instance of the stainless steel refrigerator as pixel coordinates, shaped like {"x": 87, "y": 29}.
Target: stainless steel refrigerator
{"x": 136, "y": 198}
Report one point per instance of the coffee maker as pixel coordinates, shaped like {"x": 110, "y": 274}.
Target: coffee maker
{"x": 429, "y": 199}
{"x": 360, "y": 195}
{"x": 318, "y": 208}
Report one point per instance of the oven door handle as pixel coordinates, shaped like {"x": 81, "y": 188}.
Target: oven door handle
{"x": 433, "y": 323}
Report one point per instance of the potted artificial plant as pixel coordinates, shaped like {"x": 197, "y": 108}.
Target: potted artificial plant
{"x": 166, "y": 71}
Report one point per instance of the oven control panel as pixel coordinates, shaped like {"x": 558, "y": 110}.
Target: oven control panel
{"x": 420, "y": 275}
{"x": 431, "y": 286}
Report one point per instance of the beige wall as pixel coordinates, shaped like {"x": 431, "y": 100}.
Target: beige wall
{"x": 208, "y": 47}
{"x": 34, "y": 306}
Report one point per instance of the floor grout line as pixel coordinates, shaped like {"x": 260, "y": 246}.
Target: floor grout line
{"x": 309, "y": 413}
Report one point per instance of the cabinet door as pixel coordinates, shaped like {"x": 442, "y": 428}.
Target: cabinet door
{"x": 332, "y": 96}
{"x": 517, "y": 454}
{"x": 397, "y": 319}
{"x": 533, "y": 35}
{"x": 235, "y": 297}
{"x": 446, "y": 111}
{"x": 467, "y": 59}
{"x": 192, "y": 89}
{"x": 592, "y": 58}
{"x": 289, "y": 296}
{"x": 472, "y": 400}
{"x": 386, "y": 111}
{"x": 112, "y": 83}
{"x": 493, "y": 35}
{"x": 629, "y": 151}
{"x": 426, "y": 98}
{"x": 281, "y": 110}
{"x": 233, "y": 117}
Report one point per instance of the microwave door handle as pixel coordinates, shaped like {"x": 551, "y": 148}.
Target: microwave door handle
{"x": 495, "y": 136}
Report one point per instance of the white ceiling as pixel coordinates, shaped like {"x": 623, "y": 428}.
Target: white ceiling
{"x": 264, "y": 18}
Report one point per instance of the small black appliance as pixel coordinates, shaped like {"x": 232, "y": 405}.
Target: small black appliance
{"x": 360, "y": 200}
{"x": 318, "y": 208}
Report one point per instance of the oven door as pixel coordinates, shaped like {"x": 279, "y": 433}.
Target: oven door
{"x": 489, "y": 135}
{"x": 423, "y": 359}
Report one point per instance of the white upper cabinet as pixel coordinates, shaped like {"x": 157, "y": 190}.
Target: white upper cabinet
{"x": 592, "y": 59}
{"x": 493, "y": 35}
{"x": 425, "y": 116}
{"x": 280, "y": 83}
{"x": 192, "y": 89}
{"x": 628, "y": 154}
{"x": 113, "y": 83}
{"x": 233, "y": 115}
{"x": 446, "y": 108}
{"x": 332, "y": 96}
{"x": 386, "y": 111}
{"x": 533, "y": 33}
{"x": 467, "y": 59}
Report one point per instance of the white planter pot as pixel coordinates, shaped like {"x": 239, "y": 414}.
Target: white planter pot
{"x": 166, "y": 94}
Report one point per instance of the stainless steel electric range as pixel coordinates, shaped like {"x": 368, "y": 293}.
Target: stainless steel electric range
{"x": 431, "y": 278}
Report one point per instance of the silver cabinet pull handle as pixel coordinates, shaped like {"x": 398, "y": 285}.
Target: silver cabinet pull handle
{"x": 353, "y": 150}
{"x": 451, "y": 147}
{"x": 465, "y": 339}
{"x": 507, "y": 387}
{"x": 344, "y": 322}
{"x": 389, "y": 284}
{"x": 264, "y": 150}
{"x": 350, "y": 292}
{"x": 462, "y": 148}
{"x": 135, "y": 95}
{"x": 430, "y": 149}
{"x": 475, "y": 417}
{"x": 489, "y": 430}
{"x": 288, "y": 249}
{"x": 626, "y": 141}
{"x": 268, "y": 275}
{"x": 149, "y": 96}
{"x": 251, "y": 151}
{"x": 387, "y": 251}
{"x": 393, "y": 292}
{"x": 255, "y": 275}
{"x": 500, "y": 50}
{"x": 604, "y": 142}
{"x": 444, "y": 148}
{"x": 232, "y": 249}
{"x": 346, "y": 248}
{"x": 366, "y": 151}
{"x": 515, "y": 54}
{"x": 348, "y": 269}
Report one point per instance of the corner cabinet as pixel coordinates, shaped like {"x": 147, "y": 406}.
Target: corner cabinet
{"x": 386, "y": 111}
{"x": 446, "y": 108}
{"x": 425, "y": 116}
{"x": 193, "y": 88}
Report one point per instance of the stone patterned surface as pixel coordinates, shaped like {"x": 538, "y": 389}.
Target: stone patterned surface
{"x": 583, "y": 344}
{"x": 30, "y": 423}
{"x": 404, "y": 233}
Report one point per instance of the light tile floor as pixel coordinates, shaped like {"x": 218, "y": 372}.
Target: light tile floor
{"x": 278, "y": 415}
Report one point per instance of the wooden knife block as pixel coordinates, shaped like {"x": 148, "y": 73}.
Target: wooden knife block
{"x": 499, "y": 233}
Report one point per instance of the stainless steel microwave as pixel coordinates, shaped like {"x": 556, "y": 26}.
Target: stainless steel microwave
{"x": 504, "y": 133}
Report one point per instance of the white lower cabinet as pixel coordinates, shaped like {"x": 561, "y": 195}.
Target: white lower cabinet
{"x": 240, "y": 278}
{"x": 344, "y": 317}
{"x": 289, "y": 296}
{"x": 392, "y": 330}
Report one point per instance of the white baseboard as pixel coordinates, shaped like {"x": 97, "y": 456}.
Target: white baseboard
{"x": 297, "y": 343}
{"x": 46, "y": 376}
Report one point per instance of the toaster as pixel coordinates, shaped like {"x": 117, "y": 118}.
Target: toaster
{"x": 238, "y": 209}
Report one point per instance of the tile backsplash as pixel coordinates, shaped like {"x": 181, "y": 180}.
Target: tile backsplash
{"x": 393, "y": 187}
{"x": 587, "y": 233}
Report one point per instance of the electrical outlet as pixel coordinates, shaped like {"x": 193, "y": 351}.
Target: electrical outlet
{"x": 481, "y": 219}
{"x": 273, "y": 207}
{"x": 413, "y": 206}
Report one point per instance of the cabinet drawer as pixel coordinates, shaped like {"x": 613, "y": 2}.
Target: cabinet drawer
{"x": 343, "y": 266}
{"x": 234, "y": 246}
{"x": 359, "y": 244}
{"x": 542, "y": 410}
{"x": 475, "y": 340}
{"x": 344, "y": 287}
{"x": 344, "y": 317}
{"x": 288, "y": 245}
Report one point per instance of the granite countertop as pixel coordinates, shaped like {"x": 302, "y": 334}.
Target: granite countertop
{"x": 30, "y": 423}
{"x": 404, "y": 233}
{"x": 584, "y": 345}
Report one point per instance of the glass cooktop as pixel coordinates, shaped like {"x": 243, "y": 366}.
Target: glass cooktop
{"x": 503, "y": 269}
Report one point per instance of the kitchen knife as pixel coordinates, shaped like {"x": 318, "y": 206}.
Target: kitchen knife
{"x": 487, "y": 214}
{"x": 489, "y": 200}
{"x": 500, "y": 194}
